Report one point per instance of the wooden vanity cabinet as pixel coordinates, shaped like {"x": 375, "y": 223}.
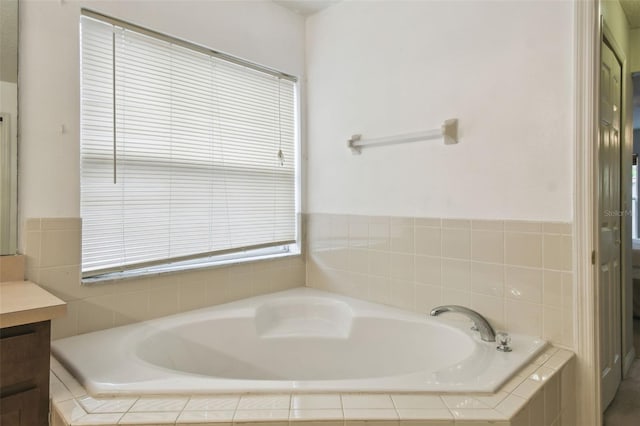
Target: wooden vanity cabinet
{"x": 24, "y": 374}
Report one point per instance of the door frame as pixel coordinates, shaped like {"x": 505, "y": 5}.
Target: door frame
{"x": 586, "y": 302}
{"x": 589, "y": 32}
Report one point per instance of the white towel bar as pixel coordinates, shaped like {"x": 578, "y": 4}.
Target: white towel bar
{"x": 449, "y": 131}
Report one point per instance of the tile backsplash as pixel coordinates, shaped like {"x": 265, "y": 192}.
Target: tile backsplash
{"x": 52, "y": 247}
{"x": 516, "y": 273}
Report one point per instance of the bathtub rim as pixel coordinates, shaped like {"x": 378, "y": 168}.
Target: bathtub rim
{"x": 246, "y": 307}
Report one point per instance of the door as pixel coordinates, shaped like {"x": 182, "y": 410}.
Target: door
{"x": 609, "y": 220}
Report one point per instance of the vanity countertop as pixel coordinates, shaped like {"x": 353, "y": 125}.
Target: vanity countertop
{"x": 23, "y": 302}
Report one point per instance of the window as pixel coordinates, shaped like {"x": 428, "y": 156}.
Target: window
{"x": 186, "y": 153}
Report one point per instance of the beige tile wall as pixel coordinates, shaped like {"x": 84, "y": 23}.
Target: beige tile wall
{"x": 518, "y": 274}
{"x": 53, "y": 251}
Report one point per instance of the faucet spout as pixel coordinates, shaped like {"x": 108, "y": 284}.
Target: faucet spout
{"x": 486, "y": 331}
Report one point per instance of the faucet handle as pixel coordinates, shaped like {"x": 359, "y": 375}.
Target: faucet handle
{"x": 503, "y": 342}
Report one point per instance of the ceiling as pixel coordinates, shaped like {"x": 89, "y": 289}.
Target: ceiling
{"x": 309, "y": 7}
{"x": 306, "y": 7}
{"x": 632, "y": 10}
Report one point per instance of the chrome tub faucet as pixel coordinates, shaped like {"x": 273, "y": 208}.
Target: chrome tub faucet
{"x": 480, "y": 323}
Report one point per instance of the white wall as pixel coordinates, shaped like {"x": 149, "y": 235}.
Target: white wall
{"x": 504, "y": 69}
{"x": 259, "y": 31}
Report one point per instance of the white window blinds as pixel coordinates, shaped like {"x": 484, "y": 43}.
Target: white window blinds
{"x": 183, "y": 154}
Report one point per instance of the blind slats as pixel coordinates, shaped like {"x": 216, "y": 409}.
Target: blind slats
{"x": 196, "y": 163}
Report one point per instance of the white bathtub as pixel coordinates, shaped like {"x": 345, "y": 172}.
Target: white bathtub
{"x": 299, "y": 340}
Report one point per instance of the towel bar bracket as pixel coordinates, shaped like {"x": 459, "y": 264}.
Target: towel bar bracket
{"x": 351, "y": 143}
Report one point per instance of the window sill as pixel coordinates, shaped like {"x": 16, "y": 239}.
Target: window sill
{"x": 117, "y": 277}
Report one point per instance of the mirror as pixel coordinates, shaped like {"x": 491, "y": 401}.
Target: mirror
{"x": 8, "y": 125}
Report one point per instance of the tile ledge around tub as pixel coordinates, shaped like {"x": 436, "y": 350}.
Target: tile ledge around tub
{"x": 71, "y": 405}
